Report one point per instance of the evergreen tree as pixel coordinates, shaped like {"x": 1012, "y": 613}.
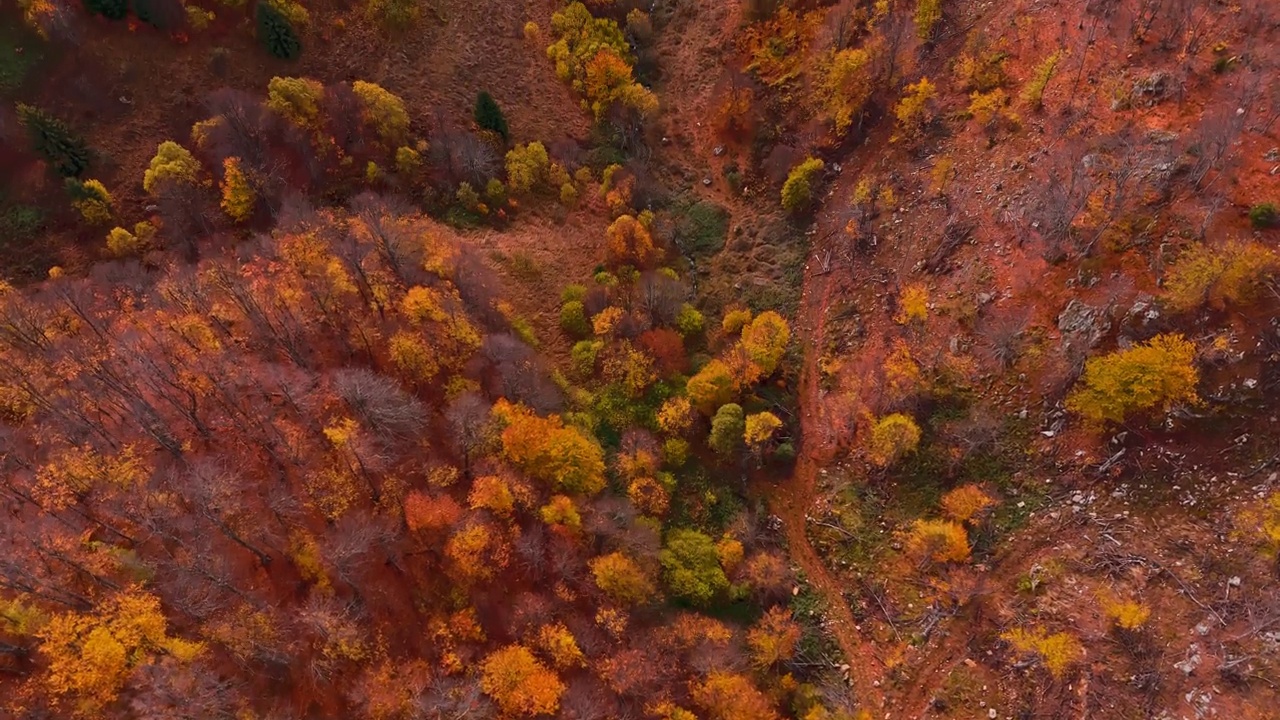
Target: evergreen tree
{"x": 277, "y": 34}
{"x": 109, "y": 9}
{"x": 54, "y": 141}
{"x": 161, "y": 14}
{"x": 489, "y": 116}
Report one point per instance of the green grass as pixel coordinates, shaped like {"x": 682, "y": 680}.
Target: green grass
{"x": 19, "y": 53}
{"x": 701, "y": 228}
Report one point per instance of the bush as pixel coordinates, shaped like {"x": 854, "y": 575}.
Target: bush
{"x": 1156, "y": 374}
{"x": 691, "y": 567}
{"x": 1033, "y": 92}
{"x": 1057, "y": 651}
{"x": 277, "y": 34}
{"x": 21, "y": 222}
{"x": 892, "y": 437}
{"x": 394, "y": 14}
{"x": 797, "y": 191}
{"x": 527, "y": 167}
{"x": 927, "y": 15}
{"x": 937, "y": 541}
{"x": 913, "y": 110}
{"x": 488, "y": 116}
{"x": 583, "y": 356}
{"x": 1234, "y": 273}
{"x": 573, "y": 319}
{"x": 1264, "y": 215}
{"x": 54, "y": 141}
{"x": 727, "y": 429}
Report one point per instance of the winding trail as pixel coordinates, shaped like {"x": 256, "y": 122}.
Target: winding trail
{"x": 791, "y": 502}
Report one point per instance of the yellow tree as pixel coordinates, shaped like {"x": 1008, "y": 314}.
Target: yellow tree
{"x": 774, "y": 638}
{"x": 728, "y": 696}
{"x": 238, "y": 196}
{"x": 549, "y": 451}
{"x": 383, "y": 111}
{"x": 845, "y": 85}
{"x": 621, "y": 578}
{"x": 172, "y": 163}
{"x": 629, "y": 243}
{"x": 90, "y": 654}
{"x": 296, "y": 99}
{"x": 1156, "y": 374}
{"x": 765, "y": 340}
{"x": 892, "y": 437}
{"x": 711, "y": 387}
{"x": 520, "y": 683}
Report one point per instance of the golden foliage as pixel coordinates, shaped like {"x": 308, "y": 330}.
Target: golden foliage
{"x": 172, "y": 163}
{"x": 477, "y": 551}
{"x": 90, "y": 654}
{"x": 778, "y": 46}
{"x": 621, "y": 578}
{"x": 1057, "y": 651}
{"x": 1234, "y": 273}
{"x": 297, "y": 99}
{"x": 728, "y": 696}
{"x": 937, "y": 541}
{"x": 760, "y": 428}
{"x": 765, "y": 340}
{"x": 628, "y": 242}
{"x": 238, "y": 196}
{"x": 382, "y": 110}
{"x": 549, "y": 451}
{"x": 774, "y": 638}
{"x": 797, "y": 191}
{"x": 1156, "y": 374}
{"x": 966, "y": 503}
{"x": 1033, "y": 91}
{"x": 912, "y": 110}
{"x": 711, "y": 387}
{"x": 520, "y": 683}
{"x": 649, "y": 496}
{"x": 1126, "y": 614}
{"x": 560, "y": 510}
{"x": 890, "y": 438}
{"x": 676, "y": 415}
{"x": 913, "y": 304}
{"x": 844, "y": 85}
{"x": 560, "y": 646}
{"x": 492, "y": 493}
{"x": 528, "y": 167}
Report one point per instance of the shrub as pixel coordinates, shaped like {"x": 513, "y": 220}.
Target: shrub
{"x": 382, "y": 110}
{"x": 937, "y": 541}
{"x": 1057, "y": 651}
{"x": 913, "y": 305}
{"x": 172, "y": 163}
{"x": 1156, "y": 374}
{"x": 845, "y": 85}
{"x": 583, "y": 355}
{"x": 394, "y": 14}
{"x": 91, "y": 199}
{"x": 892, "y": 437}
{"x": 488, "y": 116}
{"x": 1033, "y": 92}
{"x": 121, "y": 242}
{"x": 1264, "y": 215}
{"x": 734, "y": 321}
{"x": 1126, "y": 614}
{"x": 797, "y": 191}
{"x": 689, "y": 321}
{"x": 759, "y": 428}
{"x": 913, "y": 111}
{"x": 966, "y": 503}
{"x": 573, "y": 319}
{"x": 532, "y": 32}
{"x": 408, "y": 160}
{"x": 1232, "y": 274}
{"x": 54, "y": 141}
{"x": 276, "y": 33}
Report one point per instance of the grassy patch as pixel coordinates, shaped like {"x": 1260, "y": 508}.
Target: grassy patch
{"x": 700, "y": 228}
{"x": 521, "y": 265}
{"x": 19, "y": 53}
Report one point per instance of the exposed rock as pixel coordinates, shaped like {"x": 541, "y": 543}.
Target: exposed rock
{"x": 1084, "y": 324}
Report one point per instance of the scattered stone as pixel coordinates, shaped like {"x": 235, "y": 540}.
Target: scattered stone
{"x": 706, "y": 182}
{"x": 993, "y": 714}
{"x": 1085, "y": 323}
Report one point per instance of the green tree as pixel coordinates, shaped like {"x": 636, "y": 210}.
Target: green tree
{"x": 573, "y": 319}
{"x": 691, "y": 567}
{"x": 727, "y": 429}
{"x": 797, "y": 191}
{"x": 54, "y": 141}
{"x": 489, "y": 116}
{"x": 109, "y": 9}
{"x": 1156, "y": 374}
{"x": 276, "y": 33}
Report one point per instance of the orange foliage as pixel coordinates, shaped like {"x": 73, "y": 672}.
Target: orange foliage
{"x": 491, "y": 493}
{"x": 476, "y": 551}
{"x": 728, "y": 696}
{"x": 966, "y": 503}
{"x": 549, "y": 451}
{"x": 649, "y": 496}
{"x": 621, "y": 578}
{"x": 628, "y": 242}
{"x": 666, "y": 347}
{"x": 774, "y": 638}
{"x": 520, "y": 683}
